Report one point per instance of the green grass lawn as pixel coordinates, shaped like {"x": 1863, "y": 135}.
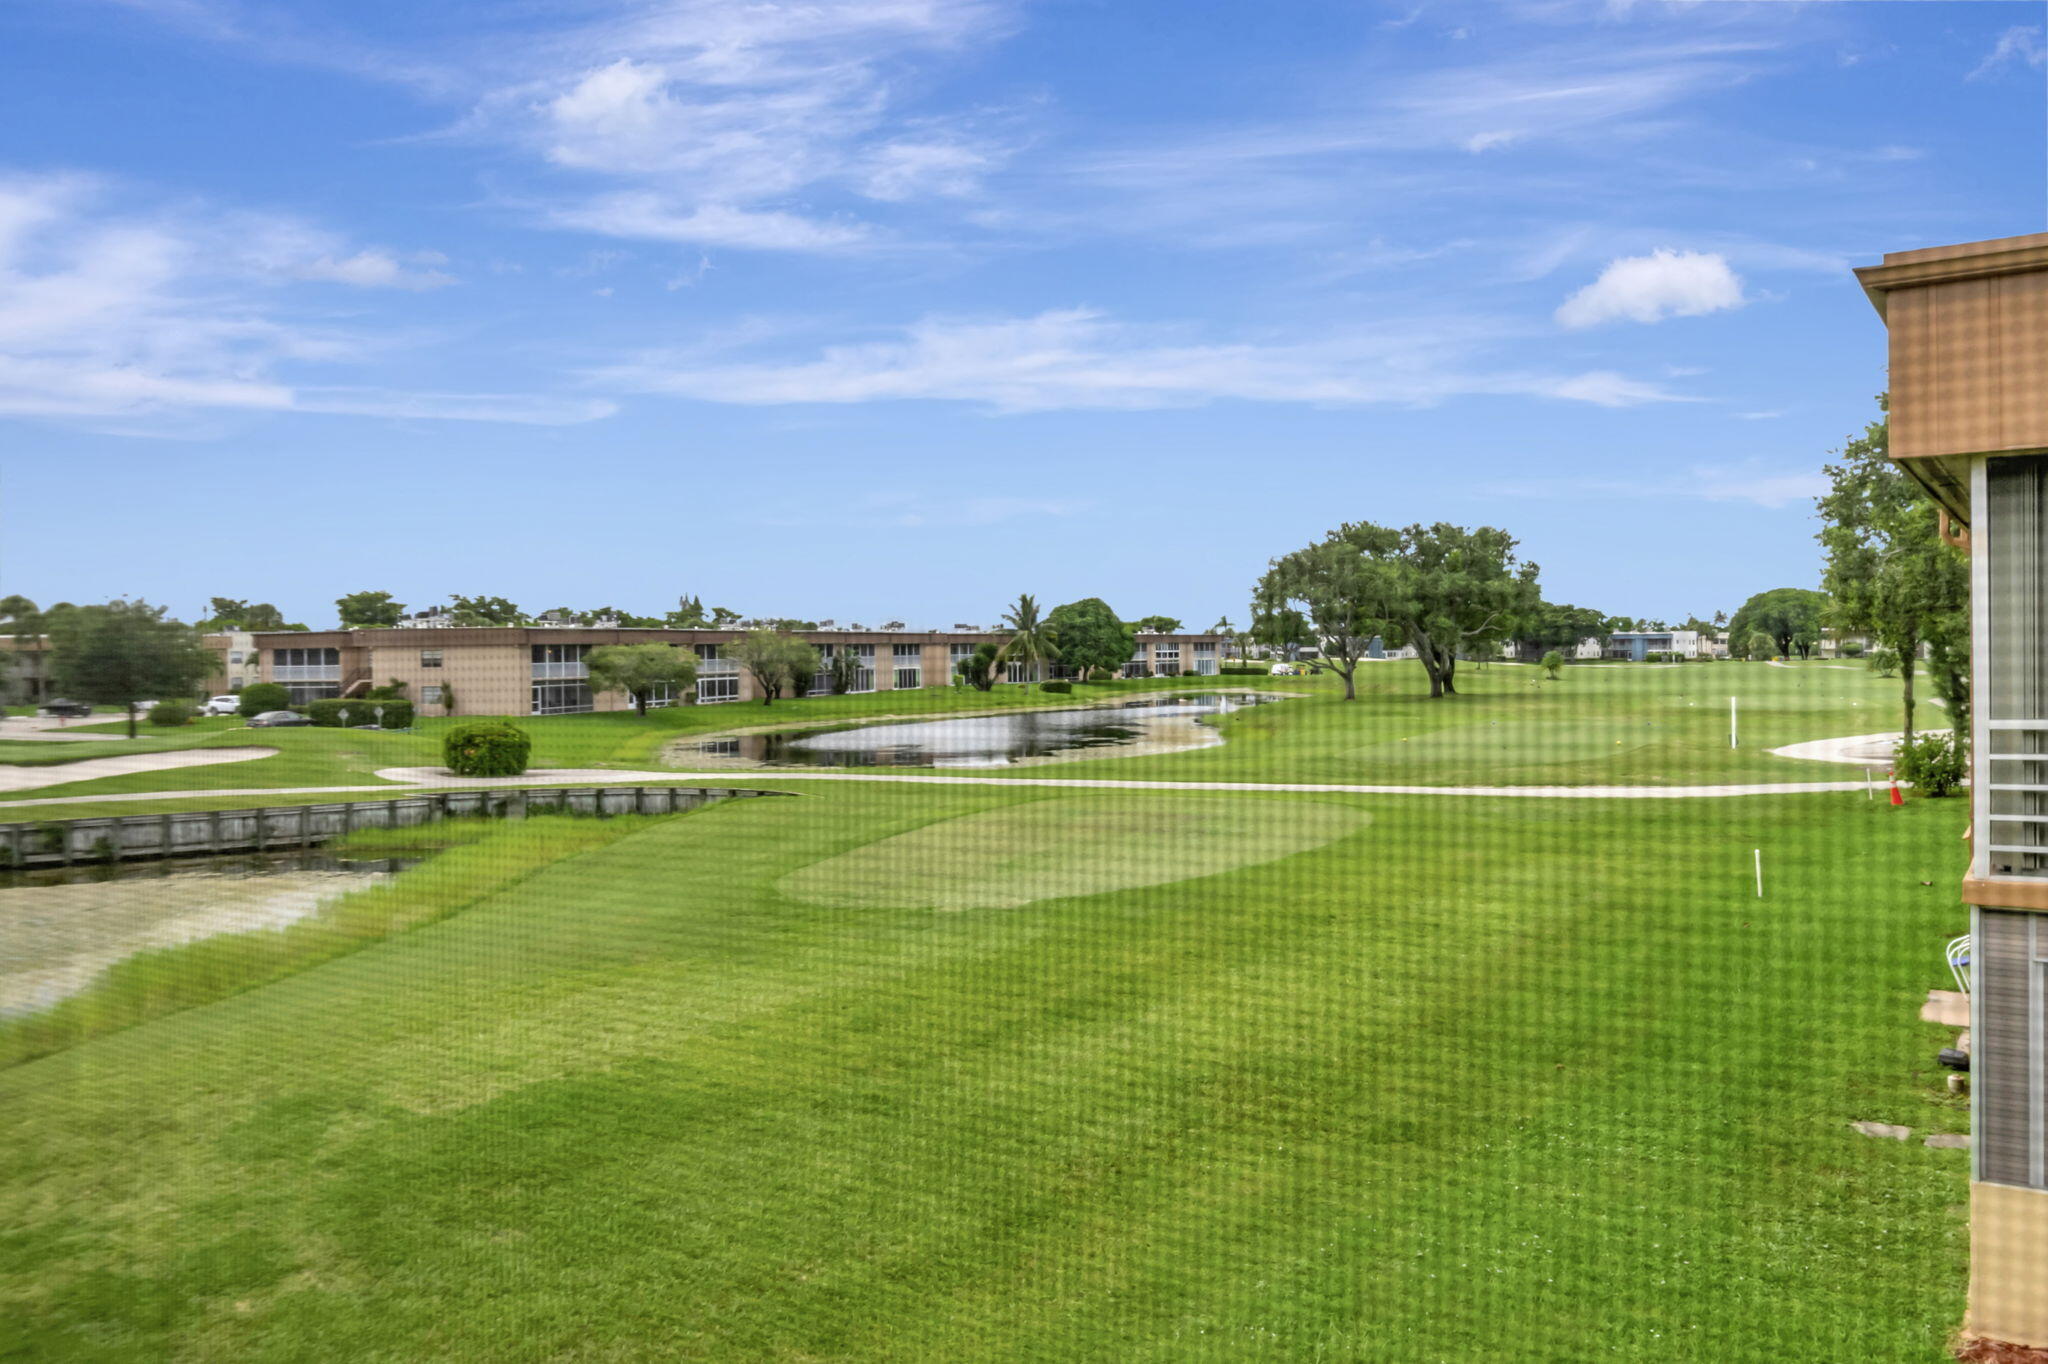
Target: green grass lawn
{"x": 866, "y": 1075}
{"x": 1595, "y": 726}
{"x": 1509, "y": 726}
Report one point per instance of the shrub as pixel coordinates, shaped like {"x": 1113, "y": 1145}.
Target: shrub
{"x": 261, "y": 696}
{"x": 1057, "y": 687}
{"x": 1883, "y": 662}
{"x": 360, "y": 710}
{"x": 1933, "y": 762}
{"x": 1851, "y": 648}
{"x": 172, "y": 713}
{"x": 1189, "y": 672}
{"x": 486, "y": 748}
{"x": 1553, "y": 663}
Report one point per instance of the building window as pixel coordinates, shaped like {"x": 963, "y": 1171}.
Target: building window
{"x": 663, "y": 695}
{"x": 909, "y": 666}
{"x": 1136, "y": 667}
{"x": 956, "y": 654}
{"x": 559, "y": 661}
{"x": 430, "y": 695}
{"x": 299, "y": 693}
{"x": 305, "y": 665}
{"x": 1205, "y": 660}
{"x": 718, "y": 679}
{"x": 235, "y": 656}
{"x": 561, "y": 698}
{"x": 430, "y": 658}
{"x": 1166, "y": 660}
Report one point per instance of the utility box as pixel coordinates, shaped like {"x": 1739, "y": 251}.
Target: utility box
{"x": 1969, "y": 421}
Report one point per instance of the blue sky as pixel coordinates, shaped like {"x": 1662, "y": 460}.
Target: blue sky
{"x": 869, "y": 309}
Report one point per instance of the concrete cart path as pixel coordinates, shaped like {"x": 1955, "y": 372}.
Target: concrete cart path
{"x": 1864, "y": 750}
{"x": 46, "y": 727}
{"x": 13, "y": 778}
{"x": 426, "y": 778}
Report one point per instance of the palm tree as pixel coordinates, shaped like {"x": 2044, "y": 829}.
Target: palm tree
{"x": 1031, "y": 639}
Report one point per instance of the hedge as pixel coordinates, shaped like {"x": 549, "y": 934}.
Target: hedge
{"x": 172, "y": 713}
{"x": 1056, "y": 686}
{"x": 486, "y": 748}
{"x": 258, "y": 697}
{"x": 353, "y": 711}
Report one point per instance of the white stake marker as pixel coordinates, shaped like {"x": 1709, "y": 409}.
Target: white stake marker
{"x": 1759, "y": 873}
{"x": 1731, "y": 722}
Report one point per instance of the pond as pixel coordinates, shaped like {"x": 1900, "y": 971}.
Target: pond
{"x": 62, "y": 926}
{"x": 1152, "y": 724}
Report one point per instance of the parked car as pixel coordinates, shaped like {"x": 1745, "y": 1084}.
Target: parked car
{"x": 221, "y": 705}
{"x": 277, "y": 719}
{"x": 58, "y": 707}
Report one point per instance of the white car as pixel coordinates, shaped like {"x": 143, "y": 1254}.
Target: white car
{"x": 221, "y": 705}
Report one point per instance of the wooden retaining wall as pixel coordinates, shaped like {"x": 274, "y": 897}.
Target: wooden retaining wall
{"x": 116, "y": 838}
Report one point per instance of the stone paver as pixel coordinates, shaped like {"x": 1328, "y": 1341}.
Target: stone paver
{"x": 1948, "y": 1141}
{"x": 1889, "y": 1130}
{"x": 1950, "y": 1008}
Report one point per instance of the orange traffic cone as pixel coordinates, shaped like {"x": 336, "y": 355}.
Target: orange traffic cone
{"x": 1897, "y": 797}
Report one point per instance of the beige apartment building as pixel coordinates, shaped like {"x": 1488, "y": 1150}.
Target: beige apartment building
{"x": 1969, "y": 420}
{"x": 540, "y": 670}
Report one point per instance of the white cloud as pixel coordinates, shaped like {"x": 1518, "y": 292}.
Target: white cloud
{"x": 2018, "y": 45}
{"x": 649, "y": 217}
{"x": 109, "y": 312}
{"x": 909, "y": 170}
{"x": 709, "y": 119}
{"x": 372, "y": 270}
{"x": 1077, "y": 358}
{"x": 1653, "y": 287}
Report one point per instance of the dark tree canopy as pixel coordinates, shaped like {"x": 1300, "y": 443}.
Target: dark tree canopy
{"x": 1447, "y": 590}
{"x": 229, "y": 613}
{"x": 125, "y": 652}
{"x": 1554, "y": 626}
{"x": 1157, "y": 625}
{"x": 1791, "y": 616}
{"x": 365, "y": 610}
{"x": 1090, "y": 636}
{"x": 485, "y": 611}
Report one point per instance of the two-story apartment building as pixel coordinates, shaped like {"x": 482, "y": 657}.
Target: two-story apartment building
{"x": 542, "y": 670}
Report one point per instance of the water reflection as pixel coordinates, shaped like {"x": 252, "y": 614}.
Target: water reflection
{"x": 1157, "y": 723}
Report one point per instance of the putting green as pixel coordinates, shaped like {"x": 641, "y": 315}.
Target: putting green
{"x": 1067, "y": 846}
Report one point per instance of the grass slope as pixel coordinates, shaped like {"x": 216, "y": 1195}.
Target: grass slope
{"x": 1477, "y": 1079}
